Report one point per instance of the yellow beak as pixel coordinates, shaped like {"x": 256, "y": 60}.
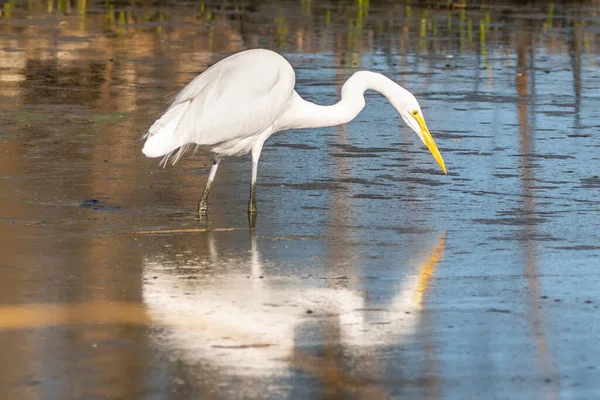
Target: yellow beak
{"x": 428, "y": 140}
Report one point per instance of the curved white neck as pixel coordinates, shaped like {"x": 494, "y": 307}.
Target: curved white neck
{"x": 304, "y": 114}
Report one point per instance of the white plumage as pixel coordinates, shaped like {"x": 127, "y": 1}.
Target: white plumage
{"x": 238, "y": 98}
{"x": 234, "y": 106}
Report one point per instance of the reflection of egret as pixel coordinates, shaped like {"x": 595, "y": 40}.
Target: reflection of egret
{"x": 236, "y": 105}
{"x": 264, "y": 319}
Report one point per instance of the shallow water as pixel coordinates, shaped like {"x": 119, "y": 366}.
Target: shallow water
{"x": 369, "y": 273}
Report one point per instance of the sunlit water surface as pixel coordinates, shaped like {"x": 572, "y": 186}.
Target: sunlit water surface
{"x": 370, "y": 274}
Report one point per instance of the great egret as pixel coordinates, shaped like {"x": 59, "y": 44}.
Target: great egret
{"x": 233, "y": 107}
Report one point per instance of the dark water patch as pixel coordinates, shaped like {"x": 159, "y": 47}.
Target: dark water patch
{"x": 354, "y": 155}
{"x": 318, "y": 238}
{"x": 473, "y": 153}
{"x": 71, "y": 38}
{"x": 542, "y": 187}
{"x": 306, "y": 186}
{"x": 552, "y": 156}
{"x": 11, "y": 50}
{"x": 517, "y": 221}
{"x": 445, "y": 135}
{"x": 409, "y": 229}
{"x": 98, "y": 205}
{"x": 489, "y": 98}
{"x": 524, "y": 213}
{"x": 243, "y": 346}
{"x": 451, "y": 131}
{"x": 556, "y": 113}
{"x": 526, "y": 237}
{"x": 590, "y": 183}
{"x": 543, "y": 156}
{"x": 354, "y": 149}
{"x": 550, "y": 182}
{"x": 420, "y": 181}
{"x": 411, "y": 199}
{"x": 502, "y": 176}
{"x": 387, "y": 244}
{"x": 372, "y": 196}
{"x": 394, "y": 166}
{"x": 429, "y": 171}
{"x": 580, "y": 135}
{"x": 399, "y": 159}
{"x": 581, "y": 247}
{"x": 295, "y": 146}
{"x": 362, "y": 182}
{"x": 461, "y": 97}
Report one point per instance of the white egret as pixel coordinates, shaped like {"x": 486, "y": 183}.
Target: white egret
{"x": 234, "y": 106}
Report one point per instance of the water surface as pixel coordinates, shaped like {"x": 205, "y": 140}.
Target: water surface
{"x": 370, "y": 274}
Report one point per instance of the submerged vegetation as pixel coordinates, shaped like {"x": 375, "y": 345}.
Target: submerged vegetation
{"x": 107, "y": 44}
{"x": 290, "y": 25}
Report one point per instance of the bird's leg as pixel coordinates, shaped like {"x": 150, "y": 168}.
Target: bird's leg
{"x": 203, "y": 203}
{"x": 252, "y": 201}
{"x": 251, "y": 220}
{"x": 255, "y": 157}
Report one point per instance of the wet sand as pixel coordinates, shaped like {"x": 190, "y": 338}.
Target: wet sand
{"x": 370, "y": 274}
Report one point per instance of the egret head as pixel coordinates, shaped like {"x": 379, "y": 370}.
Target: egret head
{"x": 411, "y": 113}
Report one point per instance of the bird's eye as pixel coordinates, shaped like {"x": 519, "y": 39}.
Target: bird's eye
{"x": 415, "y": 113}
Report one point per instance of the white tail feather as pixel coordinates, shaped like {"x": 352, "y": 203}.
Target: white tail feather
{"x": 161, "y": 139}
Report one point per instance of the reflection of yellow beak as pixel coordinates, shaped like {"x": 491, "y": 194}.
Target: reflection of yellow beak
{"x": 428, "y": 269}
{"x": 428, "y": 140}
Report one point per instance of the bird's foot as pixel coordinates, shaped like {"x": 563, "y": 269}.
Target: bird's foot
{"x": 202, "y": 208}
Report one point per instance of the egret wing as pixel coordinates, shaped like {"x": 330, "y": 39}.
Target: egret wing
{"x": 236, "y": 98}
